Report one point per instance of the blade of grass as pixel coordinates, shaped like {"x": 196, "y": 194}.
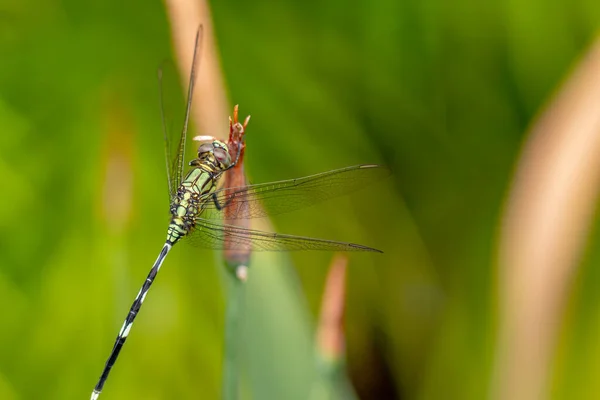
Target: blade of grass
{"x": 233, "y": 314}
{"x": 544, "y": 229}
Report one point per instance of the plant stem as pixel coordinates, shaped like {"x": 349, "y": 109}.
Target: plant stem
{"x": 233, "y": 315}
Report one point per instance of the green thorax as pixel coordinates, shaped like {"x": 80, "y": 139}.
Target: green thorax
{"x": 188, "y": 202}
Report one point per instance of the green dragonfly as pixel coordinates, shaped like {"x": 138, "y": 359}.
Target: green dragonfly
{"x": 198, "y": 205}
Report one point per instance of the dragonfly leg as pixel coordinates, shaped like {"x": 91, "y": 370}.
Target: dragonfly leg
{"x": 220, "y": 206}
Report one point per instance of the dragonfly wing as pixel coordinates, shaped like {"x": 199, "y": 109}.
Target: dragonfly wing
{"x": 209, "y": 234}
{"x": 273, "y": 198}
{"x": 170, "y": 98}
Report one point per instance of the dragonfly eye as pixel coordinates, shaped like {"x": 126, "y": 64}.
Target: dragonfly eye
{"x": 222, "y": 156}
{"x": 205, "y": 148}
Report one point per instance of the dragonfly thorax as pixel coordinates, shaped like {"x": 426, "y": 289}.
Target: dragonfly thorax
{"x": 187, "y": 204}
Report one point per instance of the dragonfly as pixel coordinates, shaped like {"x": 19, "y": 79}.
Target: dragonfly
{"x": 198, "y": 205}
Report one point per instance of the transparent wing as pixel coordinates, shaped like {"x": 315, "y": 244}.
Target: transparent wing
{"x": 211, "y": 235}
{"x": 170, "y": 100}
{"x": 285, "y": 196}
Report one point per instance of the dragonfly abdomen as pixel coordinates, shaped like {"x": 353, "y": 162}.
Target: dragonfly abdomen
{"x": 176, "y": 231}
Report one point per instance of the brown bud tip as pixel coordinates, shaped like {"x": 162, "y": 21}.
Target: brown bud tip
{"x": 330, "y": 332}
{"x": 235, "y": 114}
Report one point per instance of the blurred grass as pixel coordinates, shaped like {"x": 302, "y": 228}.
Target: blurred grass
{"x": 440, "y": 92}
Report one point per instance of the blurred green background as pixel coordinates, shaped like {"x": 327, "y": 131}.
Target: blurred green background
{"x": 442, "y": 92}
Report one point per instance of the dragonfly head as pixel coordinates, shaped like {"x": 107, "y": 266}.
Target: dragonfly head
{"x": 213, "y": 151}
